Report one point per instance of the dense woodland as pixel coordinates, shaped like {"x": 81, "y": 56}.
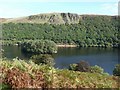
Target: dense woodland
{"x": 39, "y": 47}
{"x": 90, "y": 31}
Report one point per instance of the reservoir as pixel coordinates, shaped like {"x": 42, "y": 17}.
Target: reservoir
{"x": 106, "y": 58}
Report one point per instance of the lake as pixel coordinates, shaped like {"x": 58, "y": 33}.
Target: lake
{"x": 106, "y": 58}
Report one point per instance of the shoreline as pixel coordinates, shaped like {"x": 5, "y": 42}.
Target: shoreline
{"x": 66, "y": 45}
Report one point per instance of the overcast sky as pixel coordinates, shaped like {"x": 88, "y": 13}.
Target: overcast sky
{"x": 19, "y": 8}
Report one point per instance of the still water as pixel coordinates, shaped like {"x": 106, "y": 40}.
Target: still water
{"x": 106, "y": 58}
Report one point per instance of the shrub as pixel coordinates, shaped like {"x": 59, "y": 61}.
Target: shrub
{"x": 44, "y": 59}
{"x": 73, "y": 67}
{"x": 45, "y": 77}
{"x": 39, "y": 47}
{"x": 97, "y": 69}
{"x": 83, "y": 66}
{"x": 116, "y": 70}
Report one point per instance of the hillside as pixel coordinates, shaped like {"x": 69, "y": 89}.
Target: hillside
{"x": 64, "y": 28}
{"x": 51, "y": 18}
{"x": 3, "y": 20}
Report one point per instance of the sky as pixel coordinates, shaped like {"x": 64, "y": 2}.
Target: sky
{"x": 20, "y": 8}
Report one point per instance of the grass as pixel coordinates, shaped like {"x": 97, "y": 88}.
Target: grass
{"x": 51, "y": 18}
{"x": 51, "y": 77}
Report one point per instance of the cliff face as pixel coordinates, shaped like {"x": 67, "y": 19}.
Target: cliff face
{"x": 51, "y": 18}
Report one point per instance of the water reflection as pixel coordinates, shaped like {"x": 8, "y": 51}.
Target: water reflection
{"x": 106, "y": 58}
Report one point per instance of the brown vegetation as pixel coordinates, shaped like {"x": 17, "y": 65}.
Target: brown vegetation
{"x": 18, "y": 79}
{"x": 19, "y": 74}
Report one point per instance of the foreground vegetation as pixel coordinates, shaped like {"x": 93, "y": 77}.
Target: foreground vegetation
{"x": 21, "y": 74}
{"x": 99, "y": 31}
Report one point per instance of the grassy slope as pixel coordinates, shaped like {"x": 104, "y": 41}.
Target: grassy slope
{"x": 52, "y": 18}
{"x": 51, "y": 77}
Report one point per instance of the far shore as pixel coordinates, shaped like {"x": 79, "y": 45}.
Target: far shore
{"x": 66, "y": 45}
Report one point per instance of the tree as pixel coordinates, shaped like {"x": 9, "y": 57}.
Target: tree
{"x": 43, "y": 58}
{"x": 116, "y": 70}
{"x": 39, "y": 47}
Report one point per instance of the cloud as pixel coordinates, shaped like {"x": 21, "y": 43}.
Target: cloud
{"x": 11, "y": 12}
{"x": 111, "y": 8}
{"x": 25, "y": 9}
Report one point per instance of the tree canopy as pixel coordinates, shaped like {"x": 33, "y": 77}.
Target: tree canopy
{"x": 90, "y": 31}
{"x": 39, "y": 47}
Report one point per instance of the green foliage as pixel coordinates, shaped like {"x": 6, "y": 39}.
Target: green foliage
{"x": 44, "y": 59}
{"x": 39, "y": 47}
{"x": 4, "y": 86}
{"x": 72, "y": 79}
{"x": 63, "y": 78}
{"x": 98, "y": 31}
{"x": 116, "y": 70}
{"x": 85, "y": 67}
{"x": 97, "y": 69}
{"x": 73, "y": 67}
{"x": 27, "y": 67}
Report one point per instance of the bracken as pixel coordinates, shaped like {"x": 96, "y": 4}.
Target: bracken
{"x": 18, "y": 79}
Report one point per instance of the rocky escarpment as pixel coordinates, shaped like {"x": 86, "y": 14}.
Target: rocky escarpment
{"x": 51, "y": 18}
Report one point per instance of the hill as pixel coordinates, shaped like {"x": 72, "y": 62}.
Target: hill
{"x": 64, "y": 28}
{"x": 51, "y": 18}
